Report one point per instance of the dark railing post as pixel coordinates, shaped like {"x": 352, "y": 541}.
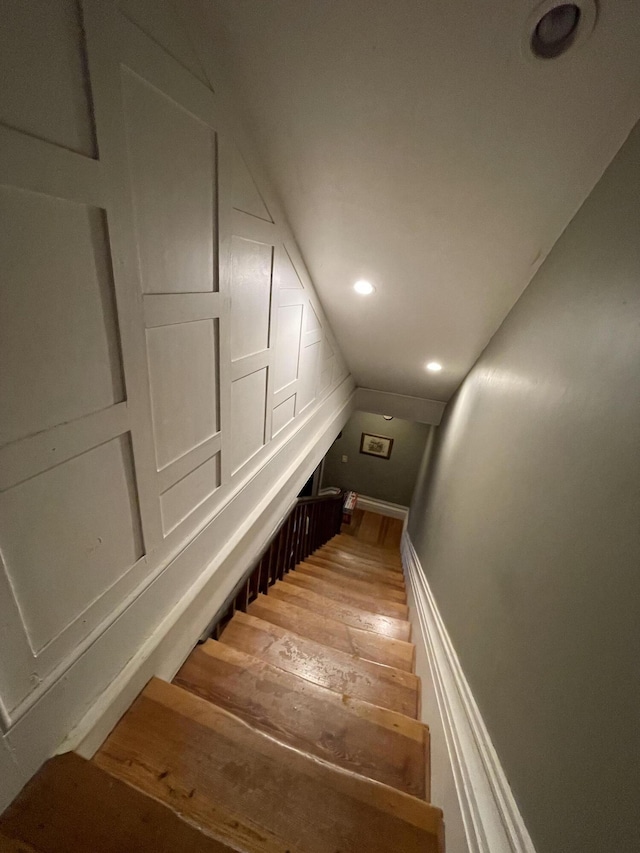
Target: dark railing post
{"x": 311, "y": 523}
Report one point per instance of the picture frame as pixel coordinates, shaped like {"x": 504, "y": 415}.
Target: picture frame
{"x": 376, "y": 445}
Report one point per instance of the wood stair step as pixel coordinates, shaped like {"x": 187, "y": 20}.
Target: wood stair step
{"x": 366, "y": 586}
{"x": 332, "y": 632}
{"x": 388, "y": 564}
{"x": 253, "y": 791}
{"x": 73, "y": 806}
{"x": 398, "y": 629}
{"x": 360, "y": 571}
{"x": 345, "y": 674}
{"x": 333, "y": 552}
{"x": 360, "y": 737}
{"x": 386, "y": 559}
{"x": 339, "y": 592}
{"x": 352, "y": 541}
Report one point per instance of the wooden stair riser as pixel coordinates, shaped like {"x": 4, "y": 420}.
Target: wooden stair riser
{"x": 352, "y": 734}
{"x": 345, "y": 674}
{"x": 223, "y": 775}
{"x": 333, "y": 633}
{"x": 374, "y": 529}
{"x": 338, "y": 592}
{"x": 399, "y": 629}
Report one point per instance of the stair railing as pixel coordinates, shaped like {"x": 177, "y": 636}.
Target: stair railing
{"x": 311, "y": 523}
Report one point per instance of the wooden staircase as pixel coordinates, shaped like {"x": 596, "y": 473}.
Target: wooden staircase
{"x": 297, "y": 730}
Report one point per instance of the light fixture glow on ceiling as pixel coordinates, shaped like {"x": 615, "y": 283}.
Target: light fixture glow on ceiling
{"x": 434, "y": 366}
{"x": 363, "y": 287}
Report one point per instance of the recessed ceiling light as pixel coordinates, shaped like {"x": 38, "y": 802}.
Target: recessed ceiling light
{"x": 556, "y": 31}
{"x": 555, "y": 27}
{"x": 363, "y": 287}
{"x": 434, "y": 366}
{"x": 388, "y": 417}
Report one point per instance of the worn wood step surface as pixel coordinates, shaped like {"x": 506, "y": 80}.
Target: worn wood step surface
{"x": 73, "y": 806}
{"x": 346, "y": 674}
{"x": 386, "y": 564}
{"x": 337, "y": 591}
{"x": 348, "y": 732}
{"x": 350, "y": 541}
{"x": 367, "y": 586}
{"x": 362, "y": 561}
{"x": 257, "y": 793}
{"x": 332, "y": 632}
{"x": 400, "y": 629}
{"x": 365, "y": 552}
{"x": 357, "y": 570}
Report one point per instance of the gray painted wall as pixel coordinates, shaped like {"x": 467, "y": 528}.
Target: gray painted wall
{"x": 527, "y": 523}
{"x": 386, "y": 479}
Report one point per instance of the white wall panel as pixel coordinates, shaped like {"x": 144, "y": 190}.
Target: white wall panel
{"x": 144, "y": 357}
{"x": 251, "y": 267}
{"x": 69, "y": 534}
{"x": 189, "y": 493}
{"x": 325, "y": 376}
{"x": 44, "y": 92}
{"x": 327, "y": 349}
{"x": 248, "y": 402}
{"x": 172, "y": 157}
{"x": 311, "y": 321}
{"x": 285, "y": 275}
{"x": 161, "y": 22}
{"x": 309, "y": 362}
{"x": 59, "y": 348}
{"x": 287, "y": 345}
{"x": 245, "y": 194}
{"x": 182, "y": 376}
{"x": 283, "y": 415}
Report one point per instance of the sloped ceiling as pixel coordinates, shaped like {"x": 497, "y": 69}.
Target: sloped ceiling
{"x": 417, "y": 145}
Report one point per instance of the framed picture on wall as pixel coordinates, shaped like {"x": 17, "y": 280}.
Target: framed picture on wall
{"x": 376, "y": 445}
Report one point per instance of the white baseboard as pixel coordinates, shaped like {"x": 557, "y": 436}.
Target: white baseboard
{"x": 382, "y": 507}
{"x": 492, "y": 821}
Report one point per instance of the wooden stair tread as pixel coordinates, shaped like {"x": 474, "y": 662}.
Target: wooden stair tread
{"x": 366, "y": 586}
{"x": 332, "y": 632}
{"x": 358, "y": 570}
{"x": 350, "y": 733}
{"x": 363, "y": 561}
{"x": 389, "y": 565}
{"x": 390, "y": 562}
{"x": 335, "y": 590}
{"x": 350, "y": 541}
{"x": 346, "y": 674}
{"x": 73, "y": 805}
{"x": 254, "y": 791}
{"x": 399, "y": 629}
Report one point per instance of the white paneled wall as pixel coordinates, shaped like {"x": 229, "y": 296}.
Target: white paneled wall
{"x": 157, "y": 329}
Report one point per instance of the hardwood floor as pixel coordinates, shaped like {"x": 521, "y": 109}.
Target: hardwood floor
{"x": 374, "y": 529}
{"x": 298, "y": 730}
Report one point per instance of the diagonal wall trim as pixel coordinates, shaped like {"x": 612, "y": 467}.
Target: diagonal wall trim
{"x": 492, "y": 821}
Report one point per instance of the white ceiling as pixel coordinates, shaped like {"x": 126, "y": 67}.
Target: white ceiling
{"x": 416, "y": 145}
